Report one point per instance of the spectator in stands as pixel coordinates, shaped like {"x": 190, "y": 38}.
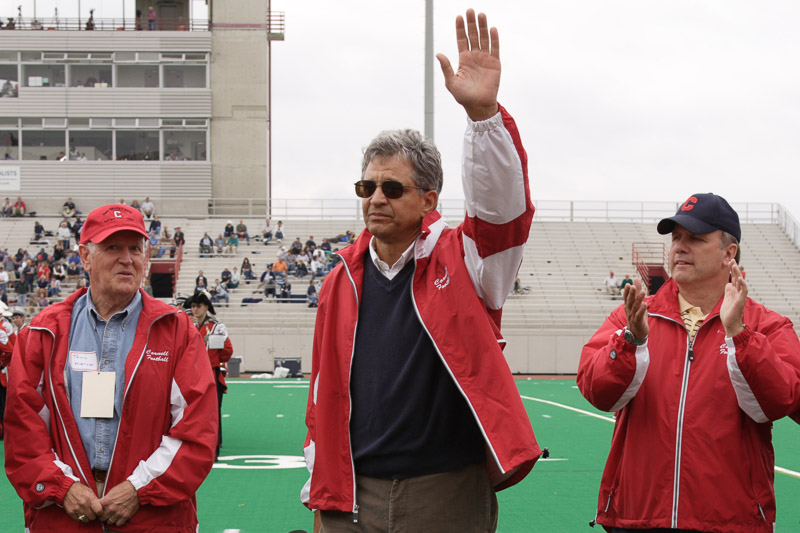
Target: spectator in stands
{"x": 265, "y": 277}
{"x": 68, "y": 209}
{"x": 64, "y": 235}
{"x": 318, "y": 266}
{"x": 611, "y": 284}
{"x": 59, "y": 252}
{"x": 29, "y": 274}
{"x": 284, "y": 289}
{"x": 232, "y": 244}
{"x": 310, "y": 244}
{"x": 221, "y": 292}
{"x": 3, "y": 279}
{"x": 21, "y": 288}
{"x": 19, "y": 207}
{"x": 697, "y": 402}
{"x": 326, "y": 246}
{"x": 302, "y": 263}
{"x": 122, "y": 201}
{"x": 59, "y": 271}
{"x": 200, "y": 282}
{"x": 77, "y": 227}
{"x": 179, "y": 238}
{"x": 8, "y": 208}
{"x": 38, "y": 231}
{"x": 266, "y": 231}
{"x": 241, "y": 232}
{"x": 41, "y": 298}
{"x": 311, "y": 294}
{"x": 155, "y": 226}
{"x": 74, "y": 266}
{"x": 42, "y": 275}
{"x": 225, "y": 275}
{"x": 297, "y": 246}
{"x": 229, "y": 229}
{"x": 151, "y": 18}
{"x": 3, "y": 298}
{"x": 206, "y": 245}
{"x": 148, "y": 208}
{"x": 233, "y": 282}
{"x": 247, "y": 270}
{"x": 135, "y": 205}
{"x": 220, "y": 244}
{"x": 54, "y": 290}
{"x": 279, "y": 232}
{"x": 166, "y": 234}
{"x": 626, "y": 281}
{"x": 156, "y": 250}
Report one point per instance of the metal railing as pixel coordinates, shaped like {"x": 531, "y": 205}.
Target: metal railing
{"x": 110, "y": 24}
{"x": 546, "y": 210}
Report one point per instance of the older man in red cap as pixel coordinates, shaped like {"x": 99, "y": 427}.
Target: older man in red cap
{"x": 111, "y": 401}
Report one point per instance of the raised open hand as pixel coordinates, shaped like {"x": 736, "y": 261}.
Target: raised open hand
{"x": 477, "y": 80}
{"x": 636, "y": 309}
{"x": 732, "y": 311}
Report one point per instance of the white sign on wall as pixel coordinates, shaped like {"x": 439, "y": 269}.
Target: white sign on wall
{"x": 9, "y": 179}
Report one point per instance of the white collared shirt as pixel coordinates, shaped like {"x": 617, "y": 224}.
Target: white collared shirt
{"x": 390, "y": 271}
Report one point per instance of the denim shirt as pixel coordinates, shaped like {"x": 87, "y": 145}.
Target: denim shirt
{"x": 111, "y": 341}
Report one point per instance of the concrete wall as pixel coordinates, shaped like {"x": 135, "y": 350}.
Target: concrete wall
{"x": 535, "y": 351}
{"x": 239, "y": 88}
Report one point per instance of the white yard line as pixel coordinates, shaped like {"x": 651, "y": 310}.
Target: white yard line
{"x": 778, "y": 469}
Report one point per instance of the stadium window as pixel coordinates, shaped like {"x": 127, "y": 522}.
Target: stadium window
{"x": 9, "y": 81}
{"x": 138, "y": 145}
{"x": 9, "y": 144}
{"x": 90, "y": 76}
{"x": 43, "y": 75}
{"x": 8, "y": 56}
{"x": 43, "y": 145}
{"x": 137, "y": 75}
{"x": 94, "y": 145}
{"x": 185, "y": 145}
{"x": 189, "y": 76}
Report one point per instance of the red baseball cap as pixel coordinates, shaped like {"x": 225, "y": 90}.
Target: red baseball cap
{"x": 108, "y": 219}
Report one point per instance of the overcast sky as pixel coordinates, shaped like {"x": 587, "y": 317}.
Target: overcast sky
{"x": 615, "y": 100}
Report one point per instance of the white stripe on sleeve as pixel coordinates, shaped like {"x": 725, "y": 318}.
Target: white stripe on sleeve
{"x": 642, "y": 364}
{"x": 744, "y": 394}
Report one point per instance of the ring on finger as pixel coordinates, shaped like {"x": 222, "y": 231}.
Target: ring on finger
{"x": 83, "y": 518}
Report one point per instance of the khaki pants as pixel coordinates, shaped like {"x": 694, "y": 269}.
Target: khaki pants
{"x": 461, "y": 501}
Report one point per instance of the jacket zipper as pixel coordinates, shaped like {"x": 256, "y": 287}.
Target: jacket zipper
{"x": 349, "y": 377}
{"x": 58, "y": 410}
{"x": 125, "y": 394}
{"x": 681, "y": 409}
{"x": 452, "y": 376}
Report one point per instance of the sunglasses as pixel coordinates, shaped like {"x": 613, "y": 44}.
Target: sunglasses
{"x": 390, "y": 188}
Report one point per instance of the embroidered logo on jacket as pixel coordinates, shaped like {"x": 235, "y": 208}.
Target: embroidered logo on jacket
{"x": 157, "y": 356}
{"x": 723, "y": 349}
{"x": 442, "y": 282}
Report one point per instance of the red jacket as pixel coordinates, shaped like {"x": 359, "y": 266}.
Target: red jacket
{"x": 218, "y": 357}
{"x": 7, "y": 340}
{"x": 167, "y": 432}
{"x": 692, "y": 445}
{"x": 461, "y": 316}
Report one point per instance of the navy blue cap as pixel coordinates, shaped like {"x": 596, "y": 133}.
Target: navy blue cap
{"x": 704, "y": 213}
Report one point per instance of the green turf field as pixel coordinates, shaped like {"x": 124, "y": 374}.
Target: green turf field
{"x": 256, "y": 489}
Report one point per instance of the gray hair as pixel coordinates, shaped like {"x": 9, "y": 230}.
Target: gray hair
{"x": 421, "y": 154}
{"x": 727, "y": 239}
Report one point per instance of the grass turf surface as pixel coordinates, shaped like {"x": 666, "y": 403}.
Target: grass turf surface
{"x": 264, "y": 422}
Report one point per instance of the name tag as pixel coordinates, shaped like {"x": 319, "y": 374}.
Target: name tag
{"x": 97, "y": 397}
{"x": 83, "y": 361}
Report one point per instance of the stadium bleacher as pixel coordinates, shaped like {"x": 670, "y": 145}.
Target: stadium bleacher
{"x": 561, "y": 304}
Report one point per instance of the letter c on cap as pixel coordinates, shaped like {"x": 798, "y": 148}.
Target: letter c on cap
{"x": 117, "y": 214}
{"x": 688, "y": 205}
